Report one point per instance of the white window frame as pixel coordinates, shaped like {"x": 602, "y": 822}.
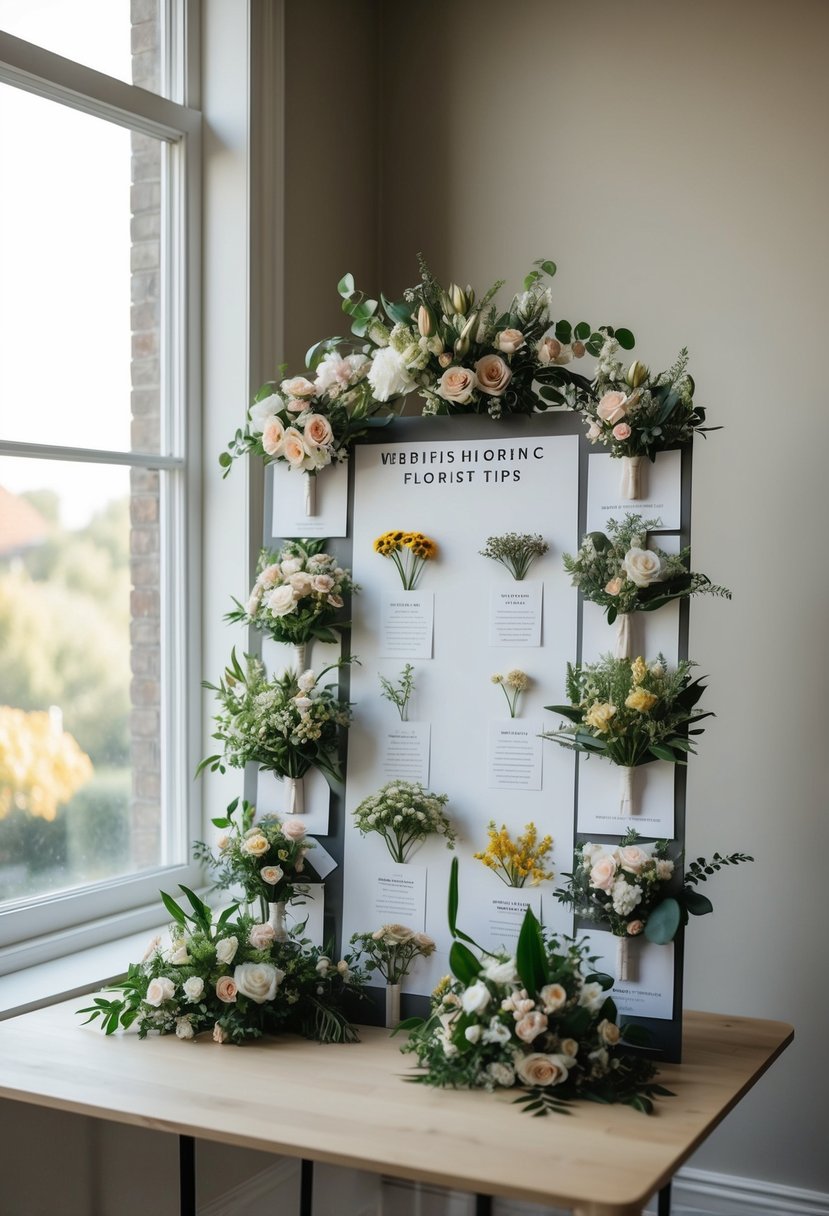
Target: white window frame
{"x": 50, "y": 926}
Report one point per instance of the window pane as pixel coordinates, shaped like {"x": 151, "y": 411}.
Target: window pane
{"x": 80, "y": 675}
{"x": 80, "y": 289}
{"x": 112, "y": 36}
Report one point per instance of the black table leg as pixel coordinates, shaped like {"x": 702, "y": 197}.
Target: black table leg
{"x": 483, "y": 1205}
{"x": 306, "y": 1188}
{"x": 663, "y": 1201}
{"x": 187, "y": 1175}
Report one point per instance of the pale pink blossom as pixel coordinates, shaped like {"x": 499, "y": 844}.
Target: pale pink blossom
{"x": 622, "y": 431}
{"x": 226, "y": 989}
{"x": 603, "y": 873}
{"x": 531, "y": 1025}
{"x": 493, "y": 375}
{"x": 611, "y": 408}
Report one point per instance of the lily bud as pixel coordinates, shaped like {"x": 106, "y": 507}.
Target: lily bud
{"x": 463, "y": 340}
{"x": 425, "y": 321}
{"x": 458, "y": 298}
{"x": 446, "y": 305}
{"x": 637, "y": 374}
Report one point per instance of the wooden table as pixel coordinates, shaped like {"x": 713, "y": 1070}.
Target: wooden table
{"x": 347, "y": 1105}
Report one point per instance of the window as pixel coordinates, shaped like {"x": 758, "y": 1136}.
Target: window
{"x": 99, "y": 549}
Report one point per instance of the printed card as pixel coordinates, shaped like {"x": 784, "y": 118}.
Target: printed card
{"x": 404, "y": 752}
{"x": 515, "y": 754}
{"x": 515, "y": 613}
{"x": 649, "y": 993}
{"x": 399, "y": 896}
{"x": 330, "y": 506}
{"x": 407, "y": 625}
{"x": 662, "y": 490}
{"x": 600, "y": 795}
{"x": 272, "y": 799}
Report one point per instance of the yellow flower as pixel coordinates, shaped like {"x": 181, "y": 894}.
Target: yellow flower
{"x": 599, "y": 716}
{"x": 641, "y": 699}
{"x": 638, "y": 669}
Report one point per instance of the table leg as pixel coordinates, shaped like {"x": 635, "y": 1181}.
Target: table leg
{"x": 187, "y": 1175}
{"x": 483, "y": 1205}
{"x": 663, "y": 1201}
{"x": 306, "y": 1188}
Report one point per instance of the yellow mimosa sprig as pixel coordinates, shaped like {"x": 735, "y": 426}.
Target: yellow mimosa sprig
{"x": 517, "y": 861}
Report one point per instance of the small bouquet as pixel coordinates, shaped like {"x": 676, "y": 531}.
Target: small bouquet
{"x": 286, "y": 725}
{"x": 626, "y": 886}
{"x": 512, "y": 685}
{"x": 542, "y": 1021}
{"x": 637, "y": 413}
{"x": 232, "y": 977}
{"x": 404, "y": 814}
{"x": 266, "y": 859}
{"x": 399, "y": 694}
{"x": 464, "y": 356}
{"x": 617, "y": 571}
{"x": 391, "y": 950}
{"x": 297, "y": 597}
{"x": 631, "y": 713}
{"x": 516, "y": 861}
{"x": 409, "y": 551}
{"x": 515, "y": 550}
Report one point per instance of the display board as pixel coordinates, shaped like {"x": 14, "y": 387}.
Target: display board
{"x": 460, "y": 481}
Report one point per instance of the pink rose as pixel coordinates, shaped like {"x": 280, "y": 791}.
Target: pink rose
{"x": 632, "y": 858}
{"x": 226, "y": 989}
{"x": 300, "y": 584}
{"x": 552, "y": 997}
{"x": 615, "y": 585}
{"x": 611, "y": 408}
{"x": 273, "y": 437}
{"x": 271, "y": 874}
{"x": 603, "y": 873}
{"x": 493, "y": 375}
{"x": 293, "y": 449}
{"x": 298, "y": 387}
{"x": 293, "y": 829}
{"x": 159, "y": 990}
{"x": 336, "y": 601}
{"x": 457, "y": 384}
{"x": 635, "y": 927}
{"x": 593, "y": 432}
{"x": 261, "y": 936}
{"x": 548, "y": 350}
{"x": 296, "y": 405}
{"x": 531, "y": 1025}
{"x": 622, "y": 431}
{"x": 540, "y": 1069}
{"x": 317, "y": 431}
{"x": 322, "y": 583}
{"x": 509, "y": 341}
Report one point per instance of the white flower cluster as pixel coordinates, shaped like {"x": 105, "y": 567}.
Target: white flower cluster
{"x": 403, "y": 812}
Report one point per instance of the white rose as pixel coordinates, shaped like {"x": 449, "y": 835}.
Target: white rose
{"x": 293, "y": 829}
{"x": 226, "y": 950}
{"x": 642, "y": 567}
{"x": 388, "y": 374}
{"x": 258, "y": 981}
{"x": 509, "y": 341}
{"x": 537, "y": 1068}
{"x": 476, "y": 998}
{"x": 472, "y": 1034}
{"x": 281, "y": 600}
{"x": 271, "y": 874}
{"x": 298, "y": 387}
{"x": 323, "y": 965}
{"x": 255, "y": 845}
{"x": 262, "y": 412}
{"x": 497, "y": 1032}
{"x": 193, "y": 988}
{"x": 261, "y": 936}
{"x": 291, "y": 565}
{"x": 592, "y": 997}
{"x": 502, "y": 972}
{"x": 159, "y": 990}
{"x": 179, "y": 955}
{"x": 184, "y": 1030}
{"x": 300, "y": 584}
{"x": 306, "y": 681}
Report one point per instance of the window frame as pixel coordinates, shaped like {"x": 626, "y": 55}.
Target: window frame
{"x": 45, "y": 927}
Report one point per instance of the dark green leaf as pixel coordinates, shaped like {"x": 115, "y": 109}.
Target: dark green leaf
{"x": 663, "y": 922}
{"x": 177, "y": 913}
{"x": 696, "y": 903}
{"x": 530, "y": 955}
{"x": 625, "y": 339}
{"x": 463, "y": 963}
{"x": 582, "y": 331}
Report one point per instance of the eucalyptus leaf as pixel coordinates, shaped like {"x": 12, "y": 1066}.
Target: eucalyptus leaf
{"x": 663, "y": 922}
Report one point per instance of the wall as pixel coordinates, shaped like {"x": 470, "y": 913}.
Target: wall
{"x": 671, "y": 159}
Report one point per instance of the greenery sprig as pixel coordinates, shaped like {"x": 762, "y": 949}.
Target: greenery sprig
{"x": 399, "y": 694}
{"x": 516, "y": 551}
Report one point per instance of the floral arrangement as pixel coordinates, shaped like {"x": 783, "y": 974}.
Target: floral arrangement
{"x": 391, "y": 950}
{"x": 542, "y": 1021}
{"x": 617, "y": 571}
{"x": 405, "y": 814}
{"x": 267, "y": 859}
{"x": 288, "y": 725}
{"x": 298, "y": 595}
{"x": 409, "y": 551}
{"x": 464, "y": 356}
{"x": 41, "y": 765}
{"x": 399, "y": 694}
{"x": 516, "y": 861}
{"x": 515, "y": 550}
{"x": 630, "y": 713}
{"x": 512, "y": 685}
{"x": 231, "y": 977}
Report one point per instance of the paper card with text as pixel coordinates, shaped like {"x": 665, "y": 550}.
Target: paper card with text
{"x": 515, "y": 613}
{"x": 398, "y": 895}
{"x": 271, "y": 799}
{"x": 491, "y": 912}
{"x": 662, "y": 490}
{"x": 600, "y": 789}
{"x": 407, "y": 625}
{"x": 652, "y": 633}
{"x": 514, "y": 754}
{"x": 649, "y": 993}
{"x": 404, "y": 752}
{"x": 321, "y": 860}
{"x": 330, "y": 516}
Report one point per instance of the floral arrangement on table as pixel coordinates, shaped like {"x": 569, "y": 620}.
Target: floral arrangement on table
{"x": 512, "y": 685}
{"x": 287, "y": 725}
{"x": 409, "y": 551}
{"x": 518, "y": 861}
{"x": 41, "y": 764}
{"x": 542, "y": 1021}
{"x": 266, "y": 858}
{"x": 464, "y": 356}
{"x": 230, "y": 976}
{"x": 515, "y": 550}
{"x": 627, "y": 886}
{"x": 637, "y": 413}
{"x": 618, "y": 572}
{"x": 399, "y": 694}
{"x": 405, "y": 814}
{"x": 390, "y": 951}
{"x": 297, "y": 597}
{"x": 631, "y": 713}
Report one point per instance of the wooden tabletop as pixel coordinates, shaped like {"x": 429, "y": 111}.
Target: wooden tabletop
{"x": 348, "y": 1105}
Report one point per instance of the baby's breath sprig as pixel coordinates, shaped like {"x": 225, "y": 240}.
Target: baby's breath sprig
{"x": 516, "y": 861}
{"x": 409, "y": 551}
{"x": 512, "y": 685}
{"x": 515, "y": 550}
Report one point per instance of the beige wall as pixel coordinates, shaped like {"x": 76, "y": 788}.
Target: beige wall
{"x": 671, "y": 158}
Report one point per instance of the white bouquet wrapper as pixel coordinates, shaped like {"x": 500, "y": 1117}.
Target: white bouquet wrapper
{"x": 276, "y": 917}
{"x": 392, "y": 1005}
{"x": 300, "y": 658}
{"x": 310, "y": 483}
{"x": 624, "y": 636}
{"x": 625, "y": 964}
{"x": 626, "y": 799}
{"x": 633, "y": 477}
{"x": 294, "y": 795}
